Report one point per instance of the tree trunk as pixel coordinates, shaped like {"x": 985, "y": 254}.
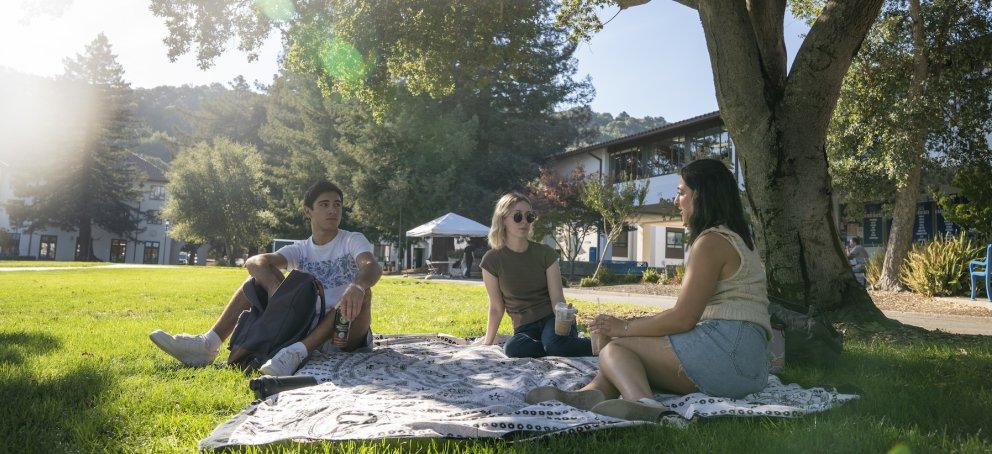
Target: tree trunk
{"x": 778, "y": 121}
{"x": 793, "y": 212}
{"x": 86, "y": 240}
{"x": 901, "y": 236}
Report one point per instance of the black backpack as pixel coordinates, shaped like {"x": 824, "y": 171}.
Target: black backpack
{"x": 277, "y": 322}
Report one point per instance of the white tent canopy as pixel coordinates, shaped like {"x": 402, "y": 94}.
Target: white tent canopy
{"x": 450, "y": 224}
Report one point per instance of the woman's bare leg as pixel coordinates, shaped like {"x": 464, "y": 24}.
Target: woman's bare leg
{"x": 603, "y": 385}
{"x": 633, "y": 365}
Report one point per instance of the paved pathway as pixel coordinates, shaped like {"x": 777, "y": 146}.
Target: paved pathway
{"x": 960, "y": 324}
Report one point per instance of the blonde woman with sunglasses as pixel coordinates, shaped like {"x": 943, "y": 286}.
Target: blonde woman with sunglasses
{"x": 523, "y": 280}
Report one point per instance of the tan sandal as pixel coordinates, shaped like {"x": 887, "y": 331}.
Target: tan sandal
{"x": 583, "y": 400}
{"x": 643, "y": 409}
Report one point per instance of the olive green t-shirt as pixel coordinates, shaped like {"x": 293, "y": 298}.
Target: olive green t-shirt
{"x": 523, "y": 280}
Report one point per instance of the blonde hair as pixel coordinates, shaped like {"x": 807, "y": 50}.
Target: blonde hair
{"x": 497, "y": 231}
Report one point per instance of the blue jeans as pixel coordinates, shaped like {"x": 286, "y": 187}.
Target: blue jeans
{"x": 538, "y": 339}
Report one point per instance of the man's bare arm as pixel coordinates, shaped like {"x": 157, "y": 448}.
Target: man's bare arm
{"x": 369, "y": 273}
{"x": 266, "y": 269}
{"x": 369, "y": 270}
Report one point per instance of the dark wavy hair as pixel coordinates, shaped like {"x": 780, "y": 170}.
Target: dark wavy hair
{"x": 717, "y": 199}
{"x": 318, "y": 188}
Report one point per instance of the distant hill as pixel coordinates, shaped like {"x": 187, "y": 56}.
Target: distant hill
{"x": 607, "y": 127}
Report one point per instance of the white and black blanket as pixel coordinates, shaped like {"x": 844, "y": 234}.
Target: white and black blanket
{"x": 436, "y": 386}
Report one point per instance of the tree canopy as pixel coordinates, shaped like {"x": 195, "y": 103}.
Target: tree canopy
{"x": 96, "y": 183}
{"x": 217, "y": 196}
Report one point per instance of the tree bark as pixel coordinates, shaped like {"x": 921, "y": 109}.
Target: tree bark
{"x": 779, "y": 128}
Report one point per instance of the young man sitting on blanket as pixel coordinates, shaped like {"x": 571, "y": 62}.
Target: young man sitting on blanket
{"x": 340, "y": 259}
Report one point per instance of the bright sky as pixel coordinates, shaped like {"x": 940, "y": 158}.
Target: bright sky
{"x": 650, "y": 60}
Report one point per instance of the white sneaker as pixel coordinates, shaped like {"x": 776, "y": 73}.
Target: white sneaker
{"x": 193, "y": 351}
{"x": 286, "y": 361}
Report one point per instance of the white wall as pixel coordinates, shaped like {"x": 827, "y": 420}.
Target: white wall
{"x": 564, "y": 167}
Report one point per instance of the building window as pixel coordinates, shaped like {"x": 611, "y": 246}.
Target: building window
{"x": 667, "y": 157}
{"x": 46, "y": 249}
{"x": 626, "y": 165}
{"x": 153, "y": 217}
{"x": 674, "y": 243}
{"x": 118, "y": 250}
{"x": 620, "y": 245}
{"x": 713, "y": 143}
{"x": 151, "y": 252}
{"x": 157, "y": 192}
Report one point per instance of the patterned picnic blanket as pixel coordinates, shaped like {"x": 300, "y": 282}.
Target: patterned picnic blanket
{"x": 438, "y": 386}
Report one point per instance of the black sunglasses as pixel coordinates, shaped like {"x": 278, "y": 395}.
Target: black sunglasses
{"x": 531, "y": 217}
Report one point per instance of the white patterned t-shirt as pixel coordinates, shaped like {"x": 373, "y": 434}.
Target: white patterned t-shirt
{"x": 332, "y": 263}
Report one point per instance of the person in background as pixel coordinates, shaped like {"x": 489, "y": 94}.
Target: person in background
{"x": 857, "y": 255}
{"x": 468, "y": 259}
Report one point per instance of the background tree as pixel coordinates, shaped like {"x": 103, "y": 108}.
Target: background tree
{"x": 300, "y": 135}
{"x": 975, "y": 182}
{"x": 919, "y": 95}
{"x": 236, "y": 113}
{"x": 616, "y": 205}
{"x": 217, "y": 196}
{"x": 95, "y": 184}
{"x": 563, "y": 213}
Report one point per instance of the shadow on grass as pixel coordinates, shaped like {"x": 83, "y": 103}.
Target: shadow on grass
{"x": 932, "y": 386}
{"x": 59, "y": 414}
{"x": 14, "y": 346}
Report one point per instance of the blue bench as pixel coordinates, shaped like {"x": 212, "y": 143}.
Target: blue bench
{"x": 977, "y": 275}
{"x": 625, "y": 267}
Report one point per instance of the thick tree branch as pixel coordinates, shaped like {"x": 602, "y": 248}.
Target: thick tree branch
{"x": 735, "y": 58}
{"x": 813, "y": 85}
{"x": 690, "y": 3}
{"x": 767, "y": 20}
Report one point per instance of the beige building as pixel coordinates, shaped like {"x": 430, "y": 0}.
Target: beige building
{"x": 150, "y": 245}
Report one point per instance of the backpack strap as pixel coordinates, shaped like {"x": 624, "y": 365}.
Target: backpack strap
{"x": 319, "y": 287}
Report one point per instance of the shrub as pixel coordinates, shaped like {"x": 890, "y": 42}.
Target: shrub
{"x": 873, "y": 267}
{"x": 940, "y": 267}
{"x": 629, "y": 278}
{"x": 650, "y": 276}
{"x": 589, "y": 282}
{"x": 605, "y": 276}
{"x": 676, "y": 279}
{"x": 564, "y": 282}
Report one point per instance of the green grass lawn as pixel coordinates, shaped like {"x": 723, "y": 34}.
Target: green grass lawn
{"x": 77, "y": 373}
{"x": 47, "y": 263}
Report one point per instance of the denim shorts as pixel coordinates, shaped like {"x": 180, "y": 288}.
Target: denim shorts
{"x": 724, "y": 358}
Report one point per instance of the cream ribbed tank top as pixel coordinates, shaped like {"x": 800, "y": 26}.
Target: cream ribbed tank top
{"x": 744, "y": 295}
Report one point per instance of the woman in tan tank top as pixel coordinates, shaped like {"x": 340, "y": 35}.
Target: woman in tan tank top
{"x": 714, "y": 340}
